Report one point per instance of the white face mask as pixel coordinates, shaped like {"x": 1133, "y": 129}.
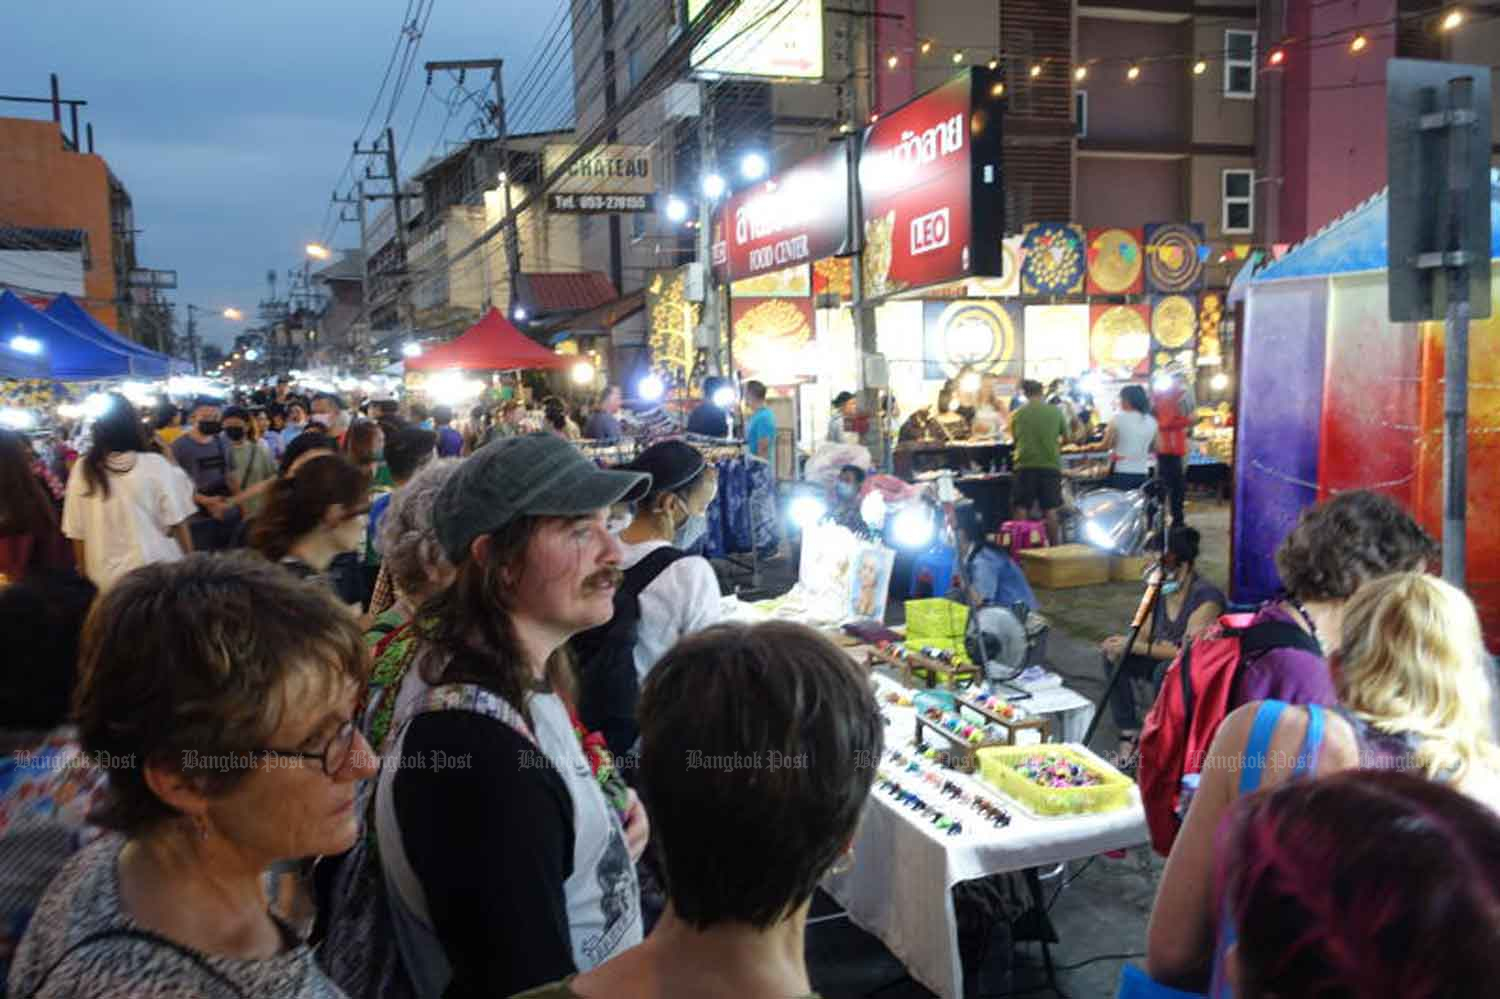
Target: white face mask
{"x": 322, "y": 419}
{"x": 691, "y": 531}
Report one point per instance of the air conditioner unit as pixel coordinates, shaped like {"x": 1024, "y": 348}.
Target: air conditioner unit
{"x": 681, "y": 100}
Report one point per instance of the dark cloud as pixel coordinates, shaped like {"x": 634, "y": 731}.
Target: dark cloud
{"x": 229, "y": 123}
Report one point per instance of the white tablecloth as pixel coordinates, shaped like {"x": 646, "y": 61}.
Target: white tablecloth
{"x": 900, "y": 885}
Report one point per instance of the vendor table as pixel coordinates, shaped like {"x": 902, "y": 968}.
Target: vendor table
{"x": 900, "y": 887}
{"x": 913, "y": 458}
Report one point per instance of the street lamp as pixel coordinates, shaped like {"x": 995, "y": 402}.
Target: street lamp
{"x": 753, "y": 166}
{"x": 230, "y": 313}
{"x": 233, "y": 313}
{"x": 713, "y": 186}
{"x": 317, "y": 251}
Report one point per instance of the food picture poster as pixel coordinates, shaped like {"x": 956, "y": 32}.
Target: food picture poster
{"x": 774, "y": 339}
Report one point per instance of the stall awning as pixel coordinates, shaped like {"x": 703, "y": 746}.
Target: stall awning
{"x": 15, "y": 364}
{"x": 144, "y": 362}
{"x": 70, "y": 356}
{"x": 492, "y": 344}
{"x": 573, "y": 291}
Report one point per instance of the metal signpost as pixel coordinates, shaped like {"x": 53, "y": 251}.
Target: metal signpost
{"x": 1438, "y": 239}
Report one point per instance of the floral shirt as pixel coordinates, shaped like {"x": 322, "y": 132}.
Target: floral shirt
{"x": 46, "y": 792}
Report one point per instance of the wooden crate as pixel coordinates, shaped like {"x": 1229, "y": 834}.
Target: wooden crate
{"x": 1128, "y": 568}
{"x": 1065, "y": 566}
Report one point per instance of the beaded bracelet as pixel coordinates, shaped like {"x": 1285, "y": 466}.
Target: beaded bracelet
{"x": 997, "y": 816}
{"x": 969, "y": 732}
{"x": 912, "y": 800}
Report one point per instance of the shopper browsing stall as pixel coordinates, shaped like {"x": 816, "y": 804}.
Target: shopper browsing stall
{"x": 760, "y": 429}
{"x": 1130, "y": 439}
{"x": 1040, "y": 429}
{"x": 1174, "y": 411}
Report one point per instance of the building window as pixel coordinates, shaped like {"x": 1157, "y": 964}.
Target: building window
{"x": 633, "y": 59}
{"x": 1239, "y": 64}
{"x": 1239, "y": 201}
{"x": 607, "y": 14}
{"x": 637, "y": 226}
{"x": 1081, "y": 113}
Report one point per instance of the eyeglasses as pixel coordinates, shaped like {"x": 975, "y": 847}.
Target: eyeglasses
{"x": 334, "y": 757}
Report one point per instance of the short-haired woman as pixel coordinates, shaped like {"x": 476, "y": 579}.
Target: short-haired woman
{"x": 229, "y": 746}
{"x": 1363, "y": 885}
{"x": 743, "y": 848}
{"x": 1413, "y": 694}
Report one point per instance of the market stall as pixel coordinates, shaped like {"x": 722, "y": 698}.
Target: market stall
{"x": 144, "y": 362}
{"x": 70, "y": 356}
{"x": 1336, "y": 397}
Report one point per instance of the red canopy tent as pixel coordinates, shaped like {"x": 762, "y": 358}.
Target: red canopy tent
{"x": 492, "y": 344}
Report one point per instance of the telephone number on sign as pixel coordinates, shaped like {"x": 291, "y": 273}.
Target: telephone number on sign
{"x": 603, "y": 202}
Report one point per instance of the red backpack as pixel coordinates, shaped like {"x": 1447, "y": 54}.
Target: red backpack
{"x": 1193, "y": 701}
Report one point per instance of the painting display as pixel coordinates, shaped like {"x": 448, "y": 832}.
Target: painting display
{"x": 1115, "y": 262}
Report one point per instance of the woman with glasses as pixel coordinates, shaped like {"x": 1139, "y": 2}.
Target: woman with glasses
{"x": 229, "y": 747}
{"x": 315, "y": 514}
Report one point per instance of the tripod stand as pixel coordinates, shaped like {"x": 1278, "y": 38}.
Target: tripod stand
{"x": 1145, "y": 610}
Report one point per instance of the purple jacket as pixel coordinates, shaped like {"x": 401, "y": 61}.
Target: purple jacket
{"x": 1289, "y": 675}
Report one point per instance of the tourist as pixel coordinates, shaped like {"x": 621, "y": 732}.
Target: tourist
{"x": 313, "y": 515}
{"x": 665, "y": 593}
{"x": 203, "y": 454}
{"x": 1362, "y": 886}
{"x": 1130, "y": 439}
{"x": 1187, "y": 605}
{"x": 249, "y": 463}
{"x": 296, "y": 422}
{"x": 1336, "y": 547}
{"x": 46, "y": 783}
{"x": 604, "y": 422}
{"x": 410, "y": 450}
{"x": 186, "y": 699}
{"x": 1412, "y": 693}
{"x": 450, "y": 443}
{"x": 31, "y": 537}
{"x": 1040, "y": 429}
{"x": 328, "y": 412}
{"x": 744, "y": 848}
{"x": 525, "y": 871}
{"x": 760, "y": 429}
{"x": 126, "y": 505}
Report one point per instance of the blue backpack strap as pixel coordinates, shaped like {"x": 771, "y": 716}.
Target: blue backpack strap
{"x": 1253, "y": 761}
{"x": 1312, "y": 743}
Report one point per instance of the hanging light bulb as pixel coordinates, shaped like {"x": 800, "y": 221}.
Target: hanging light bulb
{"x": 958, "y": 57}
{"x": 926, "y": 46}
{"x": 1277, "y": 57}
{"x": 1359, "y": 44}
{"x": 1036, "y": 70}
{"x": 892, "y": 61}
{"x": 994, "y": 64}
{"x": 1453, "y": 20}
{"x": 1200, "y": 67}
{"x": 998, "y": 90}
{"x": 1081, "y": 73}
{"x": 1133, "y": 73}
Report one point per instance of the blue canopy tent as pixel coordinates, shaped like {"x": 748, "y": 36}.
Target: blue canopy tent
{"x": 144, "y": 362}
{"x": 72, "y": 357}
{"x": 20, "y": 364}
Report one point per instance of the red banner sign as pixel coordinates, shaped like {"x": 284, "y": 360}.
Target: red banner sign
{"x": 797, "y": 217}
{"x": 931, "y": 189}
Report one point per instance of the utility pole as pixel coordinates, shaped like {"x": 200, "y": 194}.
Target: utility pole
{"x": 708, "y": 330}
{"x": 192, "y": 336}
{"x": 356, "y": 198}
{"x": 396, "y": 197}
{"x": 502, "y": 133}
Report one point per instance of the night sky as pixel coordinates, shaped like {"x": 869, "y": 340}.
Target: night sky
{"x": 231, "y": 123}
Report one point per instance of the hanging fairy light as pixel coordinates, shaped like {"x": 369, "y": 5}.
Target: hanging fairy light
{"x": 1036, "y": 70}
{"x": 1081, "y": 73}
{"x": 1133, "y": 73}
{"x": 1453, "y": 20}
{"x": 958, "y": 57}
{"x": 1359, "y": 44}
{"x": 1277, "y": 57}
{"x": 994, "y": 64}
{"x": 926, "y": 46}
{"x": 892, "y": 61}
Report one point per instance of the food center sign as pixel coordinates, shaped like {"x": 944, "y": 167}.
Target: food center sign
{"x": 931, "y": 188}
{"x": 800, "y": 216}
{"x": 609, "y": 179}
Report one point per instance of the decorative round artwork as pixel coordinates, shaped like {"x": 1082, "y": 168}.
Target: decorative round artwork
{"x": 1172, "y": 260}
{"x": 1174, "y": 321}
{"x": 975, "y": 334}
{"x": 1053, "y": 259}
{"x": 1120, "y": 338}
{"x": 1115, "y": 261}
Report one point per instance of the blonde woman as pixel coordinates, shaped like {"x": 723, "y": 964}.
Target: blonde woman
{"x": 1410, "y": 673}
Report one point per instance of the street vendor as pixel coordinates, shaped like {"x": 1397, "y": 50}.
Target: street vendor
{"x": 845, "y": 408}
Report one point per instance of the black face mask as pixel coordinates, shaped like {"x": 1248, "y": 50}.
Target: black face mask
{"x": 208, "y": 427}
{"x": 233, "y": 433}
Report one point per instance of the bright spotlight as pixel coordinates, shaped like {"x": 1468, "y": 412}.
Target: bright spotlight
{"x": 25, "y": 344}
{"x": 317, "y": 251}
{"x": 96, "y": 405}
{"x": 520, "y": 313}
{"x": 17, "y": 419}
{"x": 677, "y": 209}
{"x": 713, "y": 186}
{"x": 1219, "y": 382}
{"x": 1454, "y": 20}
{"x": 806, "y": 511}
{"x": 753, "y": 166}
{"x": 650, "y": 388}
{"x": 913, "y": 527}
{"x": 723, "y": 397}
{"x": 583, "y": 373}
{"x": 252, "y": 354}
{"x": 1162, "y": 382}
{"x": 872, "y": 510}
{"x": 970, "y": 381}
{"x": 411, "y": 350}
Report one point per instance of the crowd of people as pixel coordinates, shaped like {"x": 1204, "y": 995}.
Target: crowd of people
{"x": 383, "y": 710}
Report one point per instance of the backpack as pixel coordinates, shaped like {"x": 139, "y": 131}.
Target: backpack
{"x": 608, "y": 687}
{"x": 1194, "y": 699}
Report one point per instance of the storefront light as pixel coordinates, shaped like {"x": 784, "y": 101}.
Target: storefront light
{"x": 677, "y": 209}
{"x": 411, "y": 350}
{"x": 970, "y": 381}
{"x": 252, "y": 354}
{"x": 913, "y": 527}
{"x": 806, "y": 511}
{"x": 25, "y": 344}
{"x": 650, "y": 388}
{"x": 872, "y": 510}
{"x": 724, "y": 397}
{"x": 1219, "y": 382}
{"x": 520, "y": 313}
{"x": 96, "y": 405}
{"x": 583, "y": 373}
{"x": 713, "y": 186}
{"x": 17, "y": 419}
{"x": 753, "y": 166}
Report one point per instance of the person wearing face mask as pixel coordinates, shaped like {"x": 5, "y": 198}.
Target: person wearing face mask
{"x": 294, "y": 423}
{"x": 844, "y": 508}
{"x": 249, "y": 463}
{"x": 204, "y": 455}
{"x": 1187, "y": 606}
{"x": 666, "y": 593}
{"x": 328, "y": 412}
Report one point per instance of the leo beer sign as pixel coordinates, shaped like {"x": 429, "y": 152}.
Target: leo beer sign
{"x": 931, "y": 188}
{"x": 799, "y": 216}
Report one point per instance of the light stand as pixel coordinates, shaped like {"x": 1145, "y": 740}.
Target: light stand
{"x": 1145, "y": 611}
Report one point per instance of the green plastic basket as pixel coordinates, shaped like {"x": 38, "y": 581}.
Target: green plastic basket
{"x": 997, "y": 767}
{"x": 939, "y": 624}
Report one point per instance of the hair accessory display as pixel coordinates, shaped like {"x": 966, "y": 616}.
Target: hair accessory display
{"x": 910, "y": 799}
{"x": 994, "y": 813}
